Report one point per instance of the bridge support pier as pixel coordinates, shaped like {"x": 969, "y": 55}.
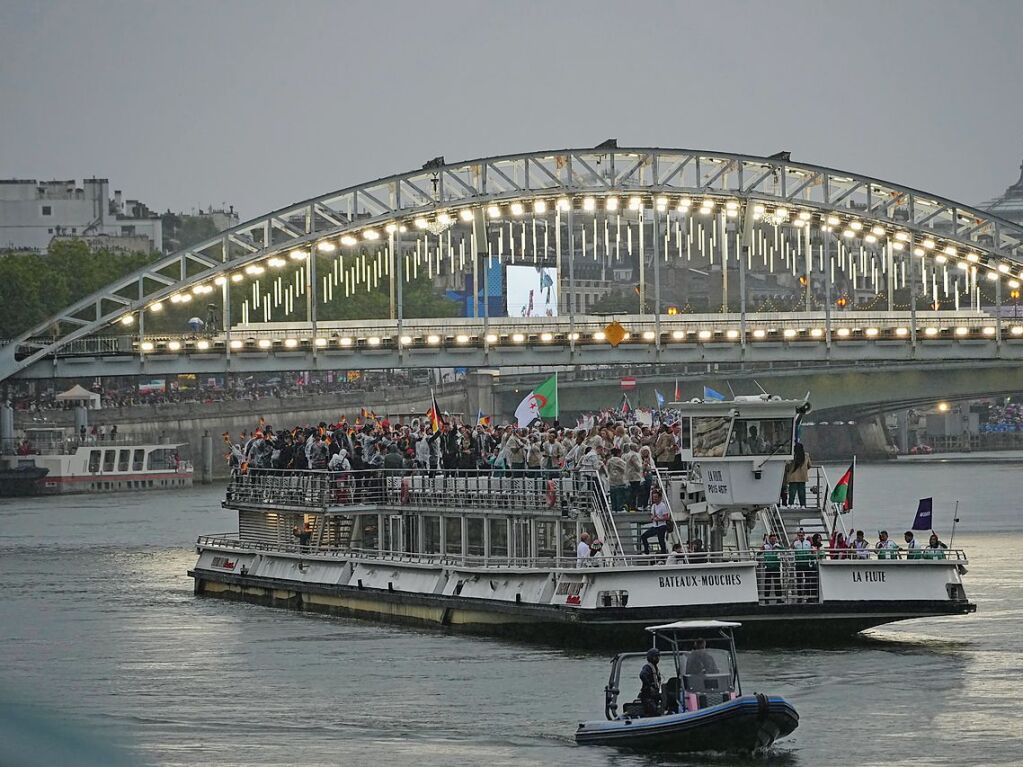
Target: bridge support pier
{"x": 903, "y": 431}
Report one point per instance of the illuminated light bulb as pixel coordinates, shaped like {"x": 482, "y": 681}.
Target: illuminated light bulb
{"x": 804, "y": 215}
{"x": 816, "y": 333}
{"x": 291, "y": 343}
{"x": 220, "y": 280}
{"x": 649, "y": 335}
{"x": 444, "y": 219}
{"x": 348, "y": 240}
{"x": 174, "y": 345}
{"x": 962, "y": 265}
{"x": 759, "y": 209}
{"x": 202, "y": 345}
{"x": 1017, "y": 330}
{"x": 276, "y": 263}
{"x": 789, "y": 333}
{"x": 433, "y": 340}
{"x": 265, "y": 343}
{"x": 320, "y": 342}
{"x": 1013, "y": 283}
{"x": 735, "y": 214}
{"x": 759, "y": 333}
{"x": 661, "y": 203}
{"x": 870, "y": 239}
{"x": 573, "y": 336}
{"x": 491, "y": 338}
{"x": 540, "y": 207}
{"x": 733, "y": 205}
{"x": 564, "y": 204}
{"x": 704, "y": 335}
{"x": 298, "y": 254}
{"x": 371, "y": 234}
{"x": 871, "y": 332}
{"x": 678, "y": 335}
{"x": 901, "y": 332}
{"x": 373, "y": 341}
{"x": 326, "y": 246}
{"x": 462, "y": 339}
{"x": 157, "y": 307}
{"x": 928, "y": 243}
{"x": 704, "y": 211}
{"x": 902, "y": 236}
{"x": 405, "y": 340}
{"x": 175, "y": 299}
{"x": 421, "y": 223}
{"x": 345, "y": 341}
{"x": 940, "y": 259}
{"x": 843, "y": 332}
{"x": 993, "y": 276}
{"x": 546, "y": 337}
{"x": 147, "y": 346}
{"x": 494, "y": 211}
{"x": 598, "y": 336}
{"x": 949, "y": 250}
{"x": 391, "y": 228}
{"x": 972, "y": 258}
{"x": 732, "y": 334}
{"x": 517, "y": 209}
{"x": 589, "y": 203}
{"x": 781, "y": 213}
{"x": 855, "y": 225}
{"x": 962, "y": 331}
{"x": 185, "y": 297}
{"x": 128, "y": 319}
{"x": 931, "y": 331}
{"x": 833, "y": 221}
{"x": 611, "y": 204}
{"x": 1003, "y": 268}
{"x": 848, "y": 234}
{"x": 876, "y": 230}
{"x": 236, "y": 344}
{"x": 236, "y": 277}
{"x": 898, "y": 246}
{"x": 707, "y": 203}
{"x": 518, "y": 338}
{"x": 685, "y": 203}
{"x": 919, "y": 252}
{"x": 634, "y": 203}
{"x": 989, "y": 331}
{"x": 465, "y": 214}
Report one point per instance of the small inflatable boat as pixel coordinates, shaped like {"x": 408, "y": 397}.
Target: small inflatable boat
{"x": 700, "y": 708}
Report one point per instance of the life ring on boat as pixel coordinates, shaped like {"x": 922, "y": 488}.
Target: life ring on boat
{"x": 552, "y": 494}
{"x": 406, "y": 490}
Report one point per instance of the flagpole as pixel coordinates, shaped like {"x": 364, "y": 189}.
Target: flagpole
{"x": 955, "y": 519}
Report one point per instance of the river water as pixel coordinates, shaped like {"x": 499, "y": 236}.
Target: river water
{"x": 100, "y": 632}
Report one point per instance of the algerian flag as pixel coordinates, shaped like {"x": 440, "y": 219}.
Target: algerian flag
{"x": 542, "y": 402}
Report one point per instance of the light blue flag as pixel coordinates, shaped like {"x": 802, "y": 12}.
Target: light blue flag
{"x": 660, "y": 399}
{"x": 709, "y": 393}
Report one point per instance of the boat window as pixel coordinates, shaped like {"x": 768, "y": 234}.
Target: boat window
{"x": 475, "y": 535}
{"x": 520, "y": 538}
{"x": 568, "y": 539}
{"x": 108, "y": 459}
{"x": 136, "y": 460}
{"x": 546, "y": 539}
{"x": 707, "y": 670}
{"x": 122, "y": 460}
{"x": 761, "y": 436}
{"x": 453, "y": 535}
{"x": 162, "y": 458}
{"x": 431, "y": 535}
{"x": 710, "y": 435}
{"x": 94, "y": 460}
{"x": 685, "y": 430}
{"x": 498, "y": 537}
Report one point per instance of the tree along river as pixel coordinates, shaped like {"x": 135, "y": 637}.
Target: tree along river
{"x": 99, "y": 629}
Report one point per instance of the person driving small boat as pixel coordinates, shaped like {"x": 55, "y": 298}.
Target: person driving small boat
{"x": 650, "y": 678}
{"x": 699, "y": 661}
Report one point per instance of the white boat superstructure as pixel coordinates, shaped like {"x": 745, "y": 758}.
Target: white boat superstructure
{"x": 491, "y": 552}
{"x": 94, "y": 465}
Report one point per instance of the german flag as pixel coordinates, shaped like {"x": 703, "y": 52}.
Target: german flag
{"x": 436, "y": 419}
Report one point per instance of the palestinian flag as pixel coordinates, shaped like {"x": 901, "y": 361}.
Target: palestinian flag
{"x": 843, "y": 492}
{"x": 434, "y": 414}
{"x": 625, "y": 407}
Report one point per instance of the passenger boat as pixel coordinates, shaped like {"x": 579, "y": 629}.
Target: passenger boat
{"x": 59, "y": 462}
{"x": 497, "y": 553}
{"x": 701, "y": 705}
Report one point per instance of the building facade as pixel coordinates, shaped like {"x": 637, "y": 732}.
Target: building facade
{"x": 33, "y": 213}
{"x": 1010, "y": 204}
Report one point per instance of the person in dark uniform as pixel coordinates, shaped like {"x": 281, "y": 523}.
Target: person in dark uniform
{"x": 650, "y": 678}
{"x": 699, "y": 660}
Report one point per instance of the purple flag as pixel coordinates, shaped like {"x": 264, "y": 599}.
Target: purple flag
{"x": 923, "y": 515}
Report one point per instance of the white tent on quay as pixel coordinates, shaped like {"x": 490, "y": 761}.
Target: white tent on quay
{"x": 79, "y": 393}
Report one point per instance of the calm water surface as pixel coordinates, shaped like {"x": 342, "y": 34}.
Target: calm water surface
{"x": 98, "y": 623}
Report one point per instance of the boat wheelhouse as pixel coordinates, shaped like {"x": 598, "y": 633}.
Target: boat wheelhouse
{"x": 496, "y": 552}
{"x": 93, "y": 466}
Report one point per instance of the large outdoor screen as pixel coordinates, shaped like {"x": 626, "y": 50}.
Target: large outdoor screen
{"x": 532, "y": 291}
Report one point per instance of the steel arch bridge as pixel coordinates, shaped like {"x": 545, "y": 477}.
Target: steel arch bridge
{"x": 783, "y": 253}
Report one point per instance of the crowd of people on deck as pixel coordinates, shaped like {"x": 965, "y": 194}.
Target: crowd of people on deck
{"x": 1004, "y": 418}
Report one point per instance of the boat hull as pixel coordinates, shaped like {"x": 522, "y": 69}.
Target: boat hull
{"x": 745, "y": 724}
{"x": 603, "y": 627}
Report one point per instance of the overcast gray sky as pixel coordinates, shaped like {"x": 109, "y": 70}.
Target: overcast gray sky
{"x": 264, "y": 103}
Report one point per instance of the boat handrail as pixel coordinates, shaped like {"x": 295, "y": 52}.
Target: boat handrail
{"x": 411, "y": 490}
{"x": 837, "y": 557}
